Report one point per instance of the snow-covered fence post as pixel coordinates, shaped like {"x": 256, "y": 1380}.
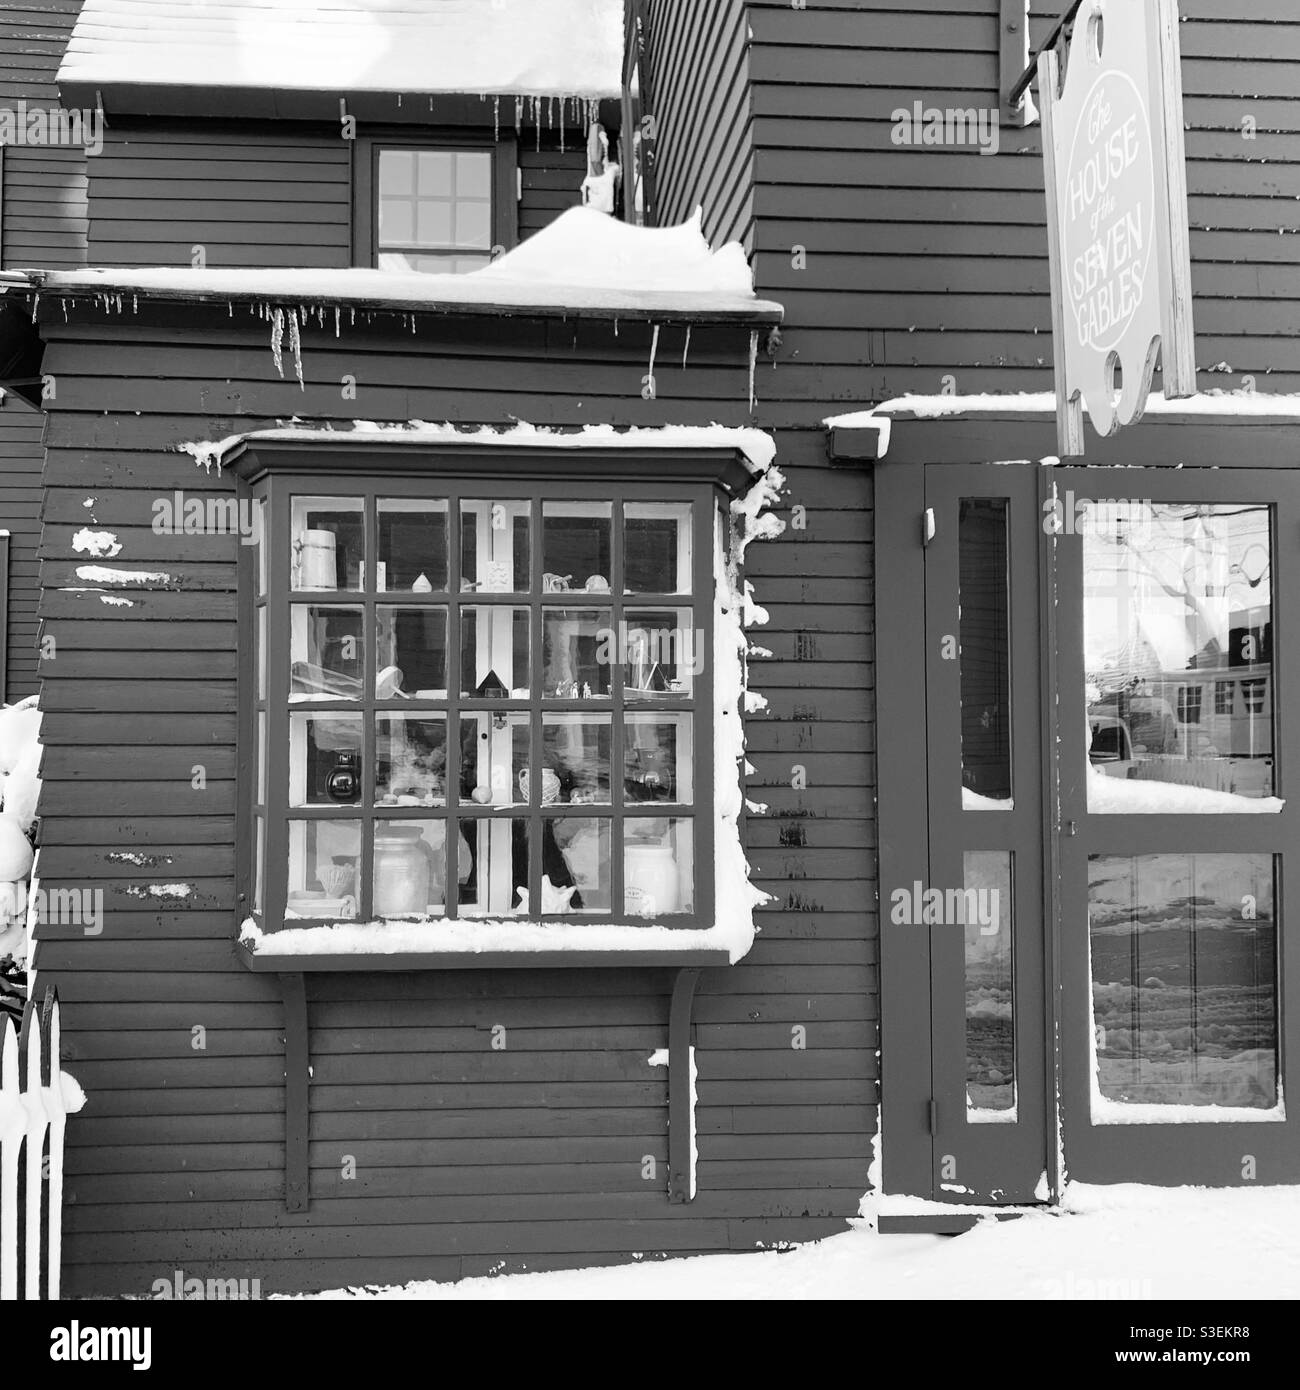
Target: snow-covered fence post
{"x": 32, "y": 1104}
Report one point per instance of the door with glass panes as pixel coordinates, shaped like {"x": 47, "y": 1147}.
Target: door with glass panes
{"x": 1109, "y": 827}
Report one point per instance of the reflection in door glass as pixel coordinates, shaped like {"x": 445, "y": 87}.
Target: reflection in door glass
{"x": 985, "y": 654}
{"x": 990, "y": 1022}
{"x": 1184, "y": 982}
{"x": 1178, "y": 656}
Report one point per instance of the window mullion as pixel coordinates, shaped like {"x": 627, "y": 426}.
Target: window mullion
{"x": 455, "y": 549}
{"x": 538, "y": 690}
{"x": 617, "y": 785}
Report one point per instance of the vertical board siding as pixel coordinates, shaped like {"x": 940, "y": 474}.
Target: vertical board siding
{"x": 930, "y": 263}
{"x": 466, "y": 1158}
{"x": 698, "y": 68}
{"x": 21, "y": 453}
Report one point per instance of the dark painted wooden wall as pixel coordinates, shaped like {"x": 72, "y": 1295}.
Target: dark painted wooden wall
{"x": 42, "y": 223}
{"x": 264, "y": 195}
{"x": 928, "y": 263}
{"x": 467, "y": 1159}
{"x": 698, "y": 79}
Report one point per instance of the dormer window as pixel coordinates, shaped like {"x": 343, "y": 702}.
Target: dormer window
{"x": 433, "y": 207}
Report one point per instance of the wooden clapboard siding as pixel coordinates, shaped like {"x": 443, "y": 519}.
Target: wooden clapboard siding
{"x": 929, "y": 264}
{"x": 465, "y": 1156}
{"x": 698, "y": 70}
{"x": 20, "y": 510}
{"x": 259, "y": 195}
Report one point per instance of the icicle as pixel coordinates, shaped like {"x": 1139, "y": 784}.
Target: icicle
{"x": 496, "y": 118}
{"x": 295, "y": 345}
{"x": 519, "y": 113}
{"x": 353, "y": 312}
{"x": 36, "y": 300}
{"x": 654, "y": 352}
{"x": 564, "y": 120}
{"x": 338, "y": 320}
{"x": 753, "y": 368}
{"x": 686, "y": 347}
{"x": 64, "y": 302}
{"x": 230, "y": 308}
{"x": 135, "y": 303}
{"x": 537, "y": 117}
{"x": 277, "y": 340}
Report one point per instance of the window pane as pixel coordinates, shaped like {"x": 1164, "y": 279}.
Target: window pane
{"x": 658, "y": 758}
{"x": 494, "y": 547}
{"x": 434, "y": 173}
{"x": 473, "y": 224}
{"x": 576, "y": 546}
{"x": 411, "y": 760}
{"x": 325, "y": 650}
{"x": 576, "y": 752}
{"x": 396, "y": 221}
{"x": 657, "y": 547}
{"x": 324, "y": 759}
{"x": 396, "y": 172}
{"x": 261, "y": 653}
{"x": 986, "y": 912}
{"x": 658, "y": 867}
{"x": 474, "y": 175}
{"x": 328, "y": 543}
{"x": 412, "y": 546}
{"x": 259, "y": 863}
{"x": 261, "y": 759}
{"x": 494, "y": 759}
{"x": 259, "y": 531}
{"x": 576, "y": 856}
{"x": 410, "y": 876}
{"x": 577, "y": 647}
{"x": 1175, "y": 596}
{"x": 1184, "y": 980}
{"x": 323, "y": 860}
{"x": 433, "y": 224}
{"x": 410, "y": 653}
{"x": 662, "y": 652}
{"x": 985, "y": 654}
{"x": 497, "y": 882}
{"x": 494, "y": 645}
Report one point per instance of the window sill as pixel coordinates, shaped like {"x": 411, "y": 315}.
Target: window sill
{"x": 284, "y": 963}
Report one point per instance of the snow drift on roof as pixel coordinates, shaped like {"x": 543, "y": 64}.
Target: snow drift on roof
{"x": 1248, "y": 403}
{"x": 583, "y": 261}
{"x": 520, "y": 47}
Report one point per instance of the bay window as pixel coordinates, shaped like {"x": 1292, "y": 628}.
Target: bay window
{"x": 479, "y": 694}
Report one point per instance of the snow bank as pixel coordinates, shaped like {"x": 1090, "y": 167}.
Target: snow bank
{"x": 521, "y": 47}
{"x": 583, "y": 261}
{"x": 20, "y": 758}
{"x": 1110, "y": 1244}
{"x": 1118, "y": 796}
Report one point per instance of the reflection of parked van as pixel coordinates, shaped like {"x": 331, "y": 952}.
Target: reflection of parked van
{"x": 1150, "y": 720}
{"x": 1111, "y": 746}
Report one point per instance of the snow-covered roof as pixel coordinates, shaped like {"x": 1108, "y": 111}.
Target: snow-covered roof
{"x": 584, "y": 262}
{"x": 1247, "y": 403}
{"x": 757, "y": 447}
{"x": 520, "y": 47}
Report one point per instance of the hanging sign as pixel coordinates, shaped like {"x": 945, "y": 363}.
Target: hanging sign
{"x": 1116, "y": 176}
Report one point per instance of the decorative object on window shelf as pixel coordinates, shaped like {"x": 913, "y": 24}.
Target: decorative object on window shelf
{"x": 554, "y": 899}
{"x": 344, "y": 782}
{"x": 315, "y": 558}
{"x": 556, "y": 583}
{"x": 492, "y": 687}
{"x": 550, "y": 786}
{"x": 650, "y": 881}
{"x": 598, "y": 584}
{"x": 422, "y": 585}
{"x": 401, "y": 872}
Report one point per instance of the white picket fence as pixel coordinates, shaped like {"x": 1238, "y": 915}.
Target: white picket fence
{"x": 33, "y": 1116}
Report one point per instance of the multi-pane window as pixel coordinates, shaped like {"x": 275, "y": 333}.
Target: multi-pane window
{"x": 1254, "y": 694}
{"x": 1189, "y": 704}
{"x": 1223, "y": 693}
{"x": 434, "y": 209}
{"x": 484, "y": 701}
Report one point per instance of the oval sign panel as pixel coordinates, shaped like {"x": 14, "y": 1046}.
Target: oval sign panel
{"x": 1116, "y": 196}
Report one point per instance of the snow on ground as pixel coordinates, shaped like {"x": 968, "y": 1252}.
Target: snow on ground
{"x": 1114, "y": 1243}
{"x": 548, "y": 48}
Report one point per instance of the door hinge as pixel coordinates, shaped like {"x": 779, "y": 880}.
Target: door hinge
{"x": 934, "y": 1117}
{"x": 927, "y": 526}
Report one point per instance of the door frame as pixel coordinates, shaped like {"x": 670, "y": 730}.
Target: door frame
{"x": 1168, "y": 440}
